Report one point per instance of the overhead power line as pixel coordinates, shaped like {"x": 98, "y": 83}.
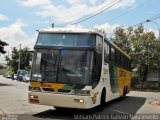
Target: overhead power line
{"x": 151, "y": 18}
{"x": 131, "y": 10}
{"x": 90, "y": 16}
{"x": 103, "y": 7}
{"x": 155, "y": 17}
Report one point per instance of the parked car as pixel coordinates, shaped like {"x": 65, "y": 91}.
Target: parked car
{"x": 20, "y": 74}
{"x": 15, "y": 76}
{"x": 26, "y": 78}
{"x": 10, "y": 75}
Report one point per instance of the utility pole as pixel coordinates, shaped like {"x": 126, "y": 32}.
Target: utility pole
{"x": 52, "y": 25}
{"x": 19, "y": 63}
{"x": 157, "y": 27}
{"x": 158, "y": 39}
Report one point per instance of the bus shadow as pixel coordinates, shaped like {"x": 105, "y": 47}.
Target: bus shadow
{"x": 2, "y": 84}
{"x": 128, "y": 106}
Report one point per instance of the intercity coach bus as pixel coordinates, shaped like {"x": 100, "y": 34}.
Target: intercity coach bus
{"x": 77, "y": 68}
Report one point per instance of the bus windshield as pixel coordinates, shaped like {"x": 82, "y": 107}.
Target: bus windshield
{"x": 65, "y": 39}
{"x": 62, "y": 66}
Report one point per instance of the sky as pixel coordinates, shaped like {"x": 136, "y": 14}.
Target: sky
{"x": 19, "y": 19}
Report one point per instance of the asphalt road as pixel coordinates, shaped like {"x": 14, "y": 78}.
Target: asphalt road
{"x": 14, "y": 105}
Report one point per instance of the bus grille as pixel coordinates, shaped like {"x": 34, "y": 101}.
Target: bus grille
{"x": 64, "y": 91}
{"x": 48, "y": 89}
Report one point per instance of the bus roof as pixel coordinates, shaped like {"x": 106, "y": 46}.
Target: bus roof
{"x": 81, "y": 30}
{"x": 70, "y": 30}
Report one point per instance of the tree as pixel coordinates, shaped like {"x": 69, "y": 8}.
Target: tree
{"x": 143, "y": 47}
{"x": 2, "y": 44}
{"x": 25, "y": 56}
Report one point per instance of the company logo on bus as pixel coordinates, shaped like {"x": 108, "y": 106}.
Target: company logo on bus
{"x": 46, "y": 85}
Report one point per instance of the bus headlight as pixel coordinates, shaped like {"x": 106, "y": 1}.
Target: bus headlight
{"x": 33, "y": 99}
{"x": 79, "y": 100}
{"x": 82, "y": 92}
{"x": 35, "y": 89}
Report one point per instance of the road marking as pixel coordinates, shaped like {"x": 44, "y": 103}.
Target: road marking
{"x": 120, "y": 111}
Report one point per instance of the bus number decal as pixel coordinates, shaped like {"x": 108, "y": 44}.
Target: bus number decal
{"x": 46, "y": 85}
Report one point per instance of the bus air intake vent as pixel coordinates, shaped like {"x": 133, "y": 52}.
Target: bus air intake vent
{"x": 48, "y": 89}
{"x": 64, "y": 91}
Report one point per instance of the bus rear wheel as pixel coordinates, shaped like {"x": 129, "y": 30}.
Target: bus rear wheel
{"x": 124, "y": 94}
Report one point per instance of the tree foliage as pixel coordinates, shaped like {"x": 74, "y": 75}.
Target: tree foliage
{"x": 2, "y": 44}
{"x": 25, "y": 58}
{"x": 142, "y": 46}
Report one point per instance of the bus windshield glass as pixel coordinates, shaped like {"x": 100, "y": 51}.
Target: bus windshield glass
{"x": 65, "y": 39}
{"x": 62, "y": 66}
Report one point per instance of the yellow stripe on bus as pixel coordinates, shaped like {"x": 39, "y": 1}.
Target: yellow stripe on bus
{"x": 124, "y": 79}
{"x": 47, "y": 85}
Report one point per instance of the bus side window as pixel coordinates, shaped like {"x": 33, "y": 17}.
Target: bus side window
{"x": 106, "y": 52}
{"x": 125, "y": 62}
{"x": 112, "y": 54}
{"x": 129, "y": 64}
{"x": 99, "y": 43}
{"x": 116, "y": 56}
{"x": 119, "y": 59}
{"x": 109, "y": 53}
{"x": 96, "y": 71}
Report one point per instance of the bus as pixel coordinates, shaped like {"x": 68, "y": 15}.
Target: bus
{"x": 77, "y": 68}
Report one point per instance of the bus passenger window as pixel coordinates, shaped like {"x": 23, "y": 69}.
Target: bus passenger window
{"x": 127, "y": 62}
{"x": 99, "y": 43}
{"x": 96, "y": 71}
{"x": 124, "y": 62}
{"x": 113, "y": 55}
{"x": 106, "y": 53}
{"x": 116, "y": 57}
{"x": 119, "y": 59}
{"x": 129, "y": 65}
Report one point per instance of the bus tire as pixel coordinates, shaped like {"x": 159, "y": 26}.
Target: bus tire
{"x": 124, "y": 94}
{"x": 126, "y": 90}
{"x": 103, "y": 100}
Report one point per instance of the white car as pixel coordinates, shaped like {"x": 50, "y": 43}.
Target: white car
{"x": 10, "y": 75}
{"x": 26, "y": 78}
{"x": 15, "y": 76}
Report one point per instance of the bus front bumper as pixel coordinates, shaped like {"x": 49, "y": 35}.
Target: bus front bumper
{"x": 61, "y": 100}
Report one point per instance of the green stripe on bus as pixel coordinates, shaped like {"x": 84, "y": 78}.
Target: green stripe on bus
{"x": 68, "y": 87}
{"x": 113, "y": 70}
{"x": 79, "y": 87}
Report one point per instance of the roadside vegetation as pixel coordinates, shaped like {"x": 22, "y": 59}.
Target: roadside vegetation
{"x": 25, "y": 59}
{"x": 144, "y": 49}
{"x": 7, "y": 72}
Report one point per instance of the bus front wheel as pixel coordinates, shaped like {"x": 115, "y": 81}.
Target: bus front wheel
{"x": 103, "y": 100}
